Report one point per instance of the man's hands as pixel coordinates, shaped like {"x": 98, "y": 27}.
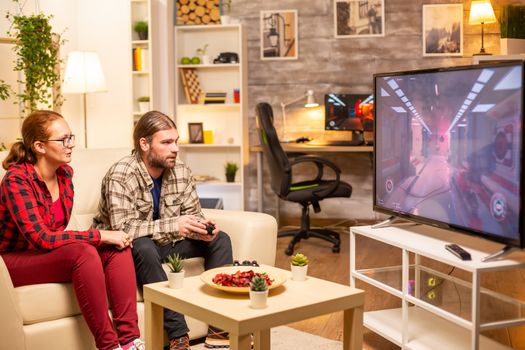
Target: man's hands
{"x": 120, "y": 239}
{"x": 192, "y": 227}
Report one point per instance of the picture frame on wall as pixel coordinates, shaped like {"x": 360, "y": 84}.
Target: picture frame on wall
{"x": 196, "y": 133}
{"x": 279, "y": 35}
{"x": 357, "y": 19}
{"x": 443, "y": 30}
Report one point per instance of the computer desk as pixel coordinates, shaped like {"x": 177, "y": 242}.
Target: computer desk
{"x": 300, "y": 148}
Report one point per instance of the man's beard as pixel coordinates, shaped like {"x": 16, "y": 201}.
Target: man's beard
{"x": 160, "y": 163}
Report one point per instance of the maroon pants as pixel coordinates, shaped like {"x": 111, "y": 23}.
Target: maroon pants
{"x": 92, "y": 271}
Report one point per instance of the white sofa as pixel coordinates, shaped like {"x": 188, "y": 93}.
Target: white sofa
{"x": 47, "y": 317}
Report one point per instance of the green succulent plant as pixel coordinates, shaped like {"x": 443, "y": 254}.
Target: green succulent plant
{"x": 231, "y": 168}
{"x": 175, "y": 262}
{"x": 299, "y": 260}
{"x": 258, "y": 284}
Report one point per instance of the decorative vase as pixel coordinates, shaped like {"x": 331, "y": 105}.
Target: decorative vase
{"x": 205, "y": 59}
{"x": 230, "y": 177}
{"x": 258, "y": 299}
{"x": 299, "y": 272}
{"x": 176, "y": 279}
{"x": 510, "y": 46}
{"x": 225, "y": 19}
{"x": 143, "y": 107}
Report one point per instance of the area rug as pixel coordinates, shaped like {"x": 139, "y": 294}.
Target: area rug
{"x": 286, "y": 338}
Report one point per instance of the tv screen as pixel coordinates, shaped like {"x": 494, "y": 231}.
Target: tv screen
{"x": 448, "y": 148}
{"x": 346, "y": 112}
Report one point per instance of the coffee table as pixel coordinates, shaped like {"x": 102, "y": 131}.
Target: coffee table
{"x": 293, "y": 301}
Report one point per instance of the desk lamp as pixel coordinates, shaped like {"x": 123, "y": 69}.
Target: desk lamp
{"x": 83, "y": 75}
{"x": 310, "y": 103}
{"x": 481, "y": 12}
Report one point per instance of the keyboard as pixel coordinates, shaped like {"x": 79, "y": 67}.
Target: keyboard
{"x": 335, "y": 143}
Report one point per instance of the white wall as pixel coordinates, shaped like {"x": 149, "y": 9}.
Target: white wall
{"x": 104, "y": 27}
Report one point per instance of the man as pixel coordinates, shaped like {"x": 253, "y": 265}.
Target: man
{"x": 151, "y": 195}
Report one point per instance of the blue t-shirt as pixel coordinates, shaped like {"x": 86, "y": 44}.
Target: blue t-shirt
{"x": 155, "y": 192}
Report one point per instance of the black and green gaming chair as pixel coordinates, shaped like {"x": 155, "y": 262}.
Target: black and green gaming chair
{"x": 306, "y": 193}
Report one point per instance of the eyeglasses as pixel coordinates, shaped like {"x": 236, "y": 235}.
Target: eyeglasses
{"x": 67, "y": 141}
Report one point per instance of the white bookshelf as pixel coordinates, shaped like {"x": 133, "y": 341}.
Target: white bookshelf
{"x": 421, "y": 323}
{"x": 227, "y": 121}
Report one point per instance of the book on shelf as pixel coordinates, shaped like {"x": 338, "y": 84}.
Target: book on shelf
{"x": 215, "y": 97}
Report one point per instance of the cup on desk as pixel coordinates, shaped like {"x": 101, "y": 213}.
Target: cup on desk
{"x": 208, "y": 136}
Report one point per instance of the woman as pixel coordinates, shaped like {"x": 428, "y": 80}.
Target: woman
{"x": 36, "y": 199}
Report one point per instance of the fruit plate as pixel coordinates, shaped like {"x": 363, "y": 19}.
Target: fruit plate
{"x": 278, "y": 277}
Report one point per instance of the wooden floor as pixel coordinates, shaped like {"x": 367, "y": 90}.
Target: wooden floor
{"x": 335, "y": 267}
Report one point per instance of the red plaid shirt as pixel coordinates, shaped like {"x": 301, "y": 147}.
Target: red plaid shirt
{"x": 26, "y": 219}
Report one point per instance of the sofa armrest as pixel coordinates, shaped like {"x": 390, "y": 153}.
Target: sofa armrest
{"x": 253, "y": 235}
{"x": 11, "y": 322}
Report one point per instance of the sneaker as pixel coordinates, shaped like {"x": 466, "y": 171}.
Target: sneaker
{"x": 136, "y": 344}
{"x": 182, "y": 343}
{"x": 217, "y": 339}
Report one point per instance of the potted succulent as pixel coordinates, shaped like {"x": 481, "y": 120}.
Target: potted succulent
{"x": 231, "y": 169}
{"x": 141, "y": 27}
{"x": 143, "y": 104}
{"x": 299, "y": 267}
{"x": 176, "y": 275}
{"x": 512, "y": 29}
{"x": 258, "y": 293}
{"x": 201, "y": 51}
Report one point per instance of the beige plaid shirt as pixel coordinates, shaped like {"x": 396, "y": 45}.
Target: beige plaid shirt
{"x": 127, "y": 204}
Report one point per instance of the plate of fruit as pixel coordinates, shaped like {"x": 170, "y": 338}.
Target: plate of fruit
{"x": 237, "y": 279}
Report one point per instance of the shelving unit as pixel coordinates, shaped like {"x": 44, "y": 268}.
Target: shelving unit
{"x": 142, "y": 80}
{"x": 423, "y": 321}
{"x": 227, "y": 121}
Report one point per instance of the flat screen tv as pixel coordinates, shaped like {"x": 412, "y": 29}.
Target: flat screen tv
{"x": 448, "y": 148}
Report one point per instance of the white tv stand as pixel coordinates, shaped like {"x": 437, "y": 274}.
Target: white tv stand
{"x": 420, "y": 324}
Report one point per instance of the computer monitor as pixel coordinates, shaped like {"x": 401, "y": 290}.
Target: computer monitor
{"x": 345, "y": 111}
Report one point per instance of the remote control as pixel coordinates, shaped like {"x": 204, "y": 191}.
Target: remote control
{"x": 458, "y": 251}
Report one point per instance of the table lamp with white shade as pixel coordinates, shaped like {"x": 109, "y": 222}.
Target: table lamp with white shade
{"x": 310, "y": 103}
{"x": 481, "y": 12}
{"x": 83, "y": 75}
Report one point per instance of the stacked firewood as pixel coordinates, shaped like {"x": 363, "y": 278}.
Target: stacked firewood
{"x": 198, "y": 12}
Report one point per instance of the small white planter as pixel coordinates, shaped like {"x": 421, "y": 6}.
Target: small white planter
{"x": 299, "y": 272}
{"x": 143, "y": 107}
{"x": 176, "y": 279}
{"x": 225, "y": 19}
{"x": 205, "y": 59}
{"x": 509, "y": 46}
{"x": 258, "y": 300}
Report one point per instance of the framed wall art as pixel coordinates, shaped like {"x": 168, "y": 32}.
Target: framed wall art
{"x": 279, "y": 35}
{"x": 443, "y": 30}
{"x": 359, "y": 18}
{"x": 195, "y": 130}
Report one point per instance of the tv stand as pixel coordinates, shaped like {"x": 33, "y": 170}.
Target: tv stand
{"x": 506, "y": 250}
{"x": 422, "y": 322}
{"x": 392, "y": 219}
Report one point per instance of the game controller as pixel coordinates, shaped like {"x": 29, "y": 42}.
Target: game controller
{"x": 210, "y": 228}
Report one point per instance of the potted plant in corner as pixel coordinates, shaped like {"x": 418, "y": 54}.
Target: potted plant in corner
{"x": 299, "y": 267}
{"x": 141, "y": 27}
{"x": 143, "y": 104}
{"x": 231, "y": 169}
{"x": 176, "y": 274}
{"x": 258, "y": 293}
{"x": 512, "y": 28}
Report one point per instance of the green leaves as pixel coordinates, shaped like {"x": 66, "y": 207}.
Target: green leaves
{"x": 299, "y": 260}
{"x": 37, "y": 58}
{"x": 175, "y": 263}
{"x": 258, "y": 284}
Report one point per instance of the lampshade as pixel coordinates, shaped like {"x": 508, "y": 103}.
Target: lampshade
{"x": 83, "y": 73}
{"x": 310, "y": 100}
{"x": 481, "y": 12}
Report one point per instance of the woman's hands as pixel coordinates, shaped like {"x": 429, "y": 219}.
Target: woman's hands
{"x": 120, "y": 239}
{"x": 195, "y": 228}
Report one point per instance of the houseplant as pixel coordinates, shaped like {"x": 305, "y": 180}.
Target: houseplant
{"x": 512, "y": 27}
{"x": 258, "y": 293}
{"x": 143, "y": 104}
{"x": 299, "y": 267}
{"x": 37, "y": 49}
{"x": 176, "y": 276}
{"x": 141, "y": 27}
{"x": 231, "y": 169}
{"x": 201, "y": 51}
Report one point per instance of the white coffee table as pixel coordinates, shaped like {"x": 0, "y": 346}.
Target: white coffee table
{"x": 291, "y": 302}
